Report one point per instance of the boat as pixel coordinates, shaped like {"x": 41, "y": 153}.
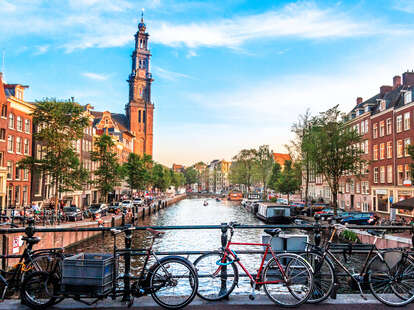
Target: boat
{"x": 205, "y": 203}
{"x": 272, "y": 213}
{"x": 218, "y": 199}
{"x": 235, "y": 196}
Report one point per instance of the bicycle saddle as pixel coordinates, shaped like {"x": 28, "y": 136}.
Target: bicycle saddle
{"x": 273, "y": 232}
{"x": 378, "y": 233}
{"x": 156, "y": 233}
{"x": 32, "y": 240}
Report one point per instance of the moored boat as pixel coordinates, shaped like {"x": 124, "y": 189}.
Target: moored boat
{"x": 272, "y": 213}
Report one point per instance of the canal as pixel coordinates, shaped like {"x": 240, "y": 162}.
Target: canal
{"x": 188, "y": 212}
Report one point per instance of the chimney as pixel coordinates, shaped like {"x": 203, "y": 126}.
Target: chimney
{"x": 408, "y": 78}
{"x": 396, "y": 81}
{"x": 359, "y": 100}
{"x": 385, "y": 89}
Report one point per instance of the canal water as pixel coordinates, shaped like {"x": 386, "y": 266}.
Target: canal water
{"x": 193, "y": 212}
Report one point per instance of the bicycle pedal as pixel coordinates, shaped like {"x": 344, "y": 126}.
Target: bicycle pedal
{"x": 252, "y": 297}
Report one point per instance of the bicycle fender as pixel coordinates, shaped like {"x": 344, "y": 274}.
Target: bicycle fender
{"x": 165, "y": 258}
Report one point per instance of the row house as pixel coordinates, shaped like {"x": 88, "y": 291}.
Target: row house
{"x": 16, "y": 132}
{"x": 3, "y": 143}
{"x": 218, "y": 176}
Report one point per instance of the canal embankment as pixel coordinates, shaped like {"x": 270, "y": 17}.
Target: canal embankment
{"x": 12, "y": 243}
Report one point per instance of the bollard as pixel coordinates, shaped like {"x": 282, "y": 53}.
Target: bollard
{"x": 44, "y": 217}
{"x": 127, "y": 260}
{"x": 113, "y": 222}
{"x": 143, "y": 212}
{"x": 223, "y": 274}
{"x": 123, "y": 219}
{"x": 317, "y": 230}
{"x": 4, "y": 252}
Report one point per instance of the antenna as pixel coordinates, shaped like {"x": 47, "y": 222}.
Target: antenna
{"x": 142, "y": 14}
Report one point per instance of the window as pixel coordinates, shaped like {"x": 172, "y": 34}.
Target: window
{"x": 375, "y": 152}
{"x": 365, "y": 187}
{"x": 9, "y": 170}
{"x": 2, "y": 134}
{"x": 25, "y": 174}
{"x": 389, "y": 174}
{"x": 362, "y": 127}
{"x": 18, "y": 173}
{"x": 24, "y": 195}
{"x": 389, "y": 126}
{"x": 382, "y": 174}
{"x": 363, "y": 147}
{"x": 11, "y": 121}
{"x": 406, "y": 145}
{"x": 17, "y": 195}
{"x": 382, "y": 129}
{"x": 27, "y": 125}
{"x": 399, "y": 123}
{"x": 18, "y": 145}
{"x": 407, "y": 97}
{"x": 382, "y": 150}
{"x": 10, "y": 143}
{"x": 375, "y": 130}
{"x": 19, "y": 123}
{"x": 1, "y": 159}
{"x": 400, "y": 175}
{"x": 347, "y": 187}
{"x": 4, "y": 110}
{"x": 407, "y": 121}
{"x": 366, "y": 147}
{"x": 407, "y": 172}
{"x": 358, "y": 187}
{"x": 38, "y": 151}
{"x": 389, "y": 149}
{"x": 376, "y": 175}
{"x": 399, "y": 148}
{"x": 26, "y": 147}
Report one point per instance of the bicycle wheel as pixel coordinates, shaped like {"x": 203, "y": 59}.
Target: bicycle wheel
{"x": 211, "y": 285}
{"x": 391, "y": 279}
{"x": 173, "y": 282}
{"x": 37, "y": 290}
{"x": 323, "y": 276}
{"x": 298, "y": 287}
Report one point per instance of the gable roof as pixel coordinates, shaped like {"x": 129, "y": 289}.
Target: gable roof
{"x": 280, "y": 158}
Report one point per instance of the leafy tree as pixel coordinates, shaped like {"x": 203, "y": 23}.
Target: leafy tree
{"x": 138, "y": 171}
{"x": 161, "y": 177}
{"x": 243, "y": 168}
{"x": 289, "y": 180}
{"x": 333, "y": 150}
{"x": 59, "y": 124}
{"x": 191, "y": 176}
{"x": 263, "y": 159}
{"x": 274, "y": 177}
{"x": 109, "y": 171}
{"x": 300, "y": 148}
{"x": 411, "y": 153}
{"x": 177, "y": 179}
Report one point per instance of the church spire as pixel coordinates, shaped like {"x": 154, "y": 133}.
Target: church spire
{"x": 141, "y": 25}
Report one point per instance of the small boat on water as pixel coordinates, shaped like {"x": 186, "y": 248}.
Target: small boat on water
{"x": 205, "y": 203}
{"x": 218, "y": 199}
{"x": 272, "y": 213}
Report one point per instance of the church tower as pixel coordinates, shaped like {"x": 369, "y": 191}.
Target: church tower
{"x": 139, "y": 109}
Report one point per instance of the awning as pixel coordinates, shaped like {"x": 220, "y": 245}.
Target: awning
{"x": 407, "y": 204}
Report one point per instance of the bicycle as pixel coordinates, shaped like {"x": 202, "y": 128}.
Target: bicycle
{"x": 31, "y": 263}
{"x": 382, "y": 272}
{"x": 287, "y": 278}
{"x": 172, "y": 280}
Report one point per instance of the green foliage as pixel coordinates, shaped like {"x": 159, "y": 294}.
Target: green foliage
{"x": 274, "y": 177}
{"x": 350, "y": 235}
{"x": 191, "y": 176}
{"x": 411, "y": 153}
{"x": 138, "y": 171}
{"x": 177, "y": 179}
{"x": 161, "y": 177}
{"x": 59, "y": 124}
{"x": 242, "y": 169}
{"x": 263, "y": 159}
{"x": 109, "y": 171}
{"x": 288, "y": 182}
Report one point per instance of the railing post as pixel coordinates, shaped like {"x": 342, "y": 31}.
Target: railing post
{"x": 223, "y": 274}
{"x": 44, "y": 217}
{"x": 123, "y": 219}
{"x": 127, "y": 260}
{"x": 317, "y": 230}
{"x": 113, "y": 222}
{"x": 4, "y": 252}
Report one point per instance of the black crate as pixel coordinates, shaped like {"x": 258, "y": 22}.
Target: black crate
{"x": 88, "y": 274}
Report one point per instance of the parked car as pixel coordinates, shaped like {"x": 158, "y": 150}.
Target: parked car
{"x": 282, "y": 201}
{"x": 138, "y": 202}
{"x": 98, "y": 208}
{"x": 73, "y": 213}
{"x": 114, "y": 207}
{"x": 327, "y": 213}
{"x": 343, "y": 215}
{"x": 126, "y": 204}
{"x": 362, "y": 218}
{"x": 314, "y": 208}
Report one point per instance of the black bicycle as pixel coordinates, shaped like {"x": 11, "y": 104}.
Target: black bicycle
{"x": 172, "y": 281}
{"x": 33, "y": 264}
{"x": 389, "y": 274}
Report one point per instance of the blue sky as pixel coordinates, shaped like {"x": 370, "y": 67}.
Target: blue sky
{"x": 229, "y": 74}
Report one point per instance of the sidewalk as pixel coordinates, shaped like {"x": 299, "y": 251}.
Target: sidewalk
{"x": 236, "y": 302}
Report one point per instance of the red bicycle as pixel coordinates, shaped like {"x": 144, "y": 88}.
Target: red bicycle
{"x": 287, "y": 278}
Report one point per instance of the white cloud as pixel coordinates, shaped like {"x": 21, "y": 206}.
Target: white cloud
{"x": 95, "y": 76}
{"x": 169, "y": 75}
{"x": 191, "y": 53}
{"x": 301, "y": 20}
{"x": 404, "y": 5}
{"x": 41, "y": 49}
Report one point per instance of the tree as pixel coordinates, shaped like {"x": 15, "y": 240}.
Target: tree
{"x": 289, "y": 180}
{"x": 300, "y": 148}
{"x": 274, "y": 177}
{"x": 109, "y": 173}
{"x": 191, "y": 176}
{"x": 161, "y": 177}
{"x": 59, "y": 124}
{"x": 138, "y": 171}
{"x": 242, "y": 168}
{"x": 263, "y": 159}
{"x": 333, "y": 149}
{"x": 177, "y": 179}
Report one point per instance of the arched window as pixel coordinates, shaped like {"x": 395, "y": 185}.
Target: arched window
{"x": 139, "y": 116}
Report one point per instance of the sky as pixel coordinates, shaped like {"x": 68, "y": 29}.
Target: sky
{"x": 228, "y": 74}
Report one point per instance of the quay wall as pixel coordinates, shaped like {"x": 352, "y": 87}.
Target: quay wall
{"x": 13, "y": 245}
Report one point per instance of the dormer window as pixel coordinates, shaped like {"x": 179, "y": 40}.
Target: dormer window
{"x": 382, "y": 105}
{"x": 407, "y": 97}
{"x": 19, "y": 94}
